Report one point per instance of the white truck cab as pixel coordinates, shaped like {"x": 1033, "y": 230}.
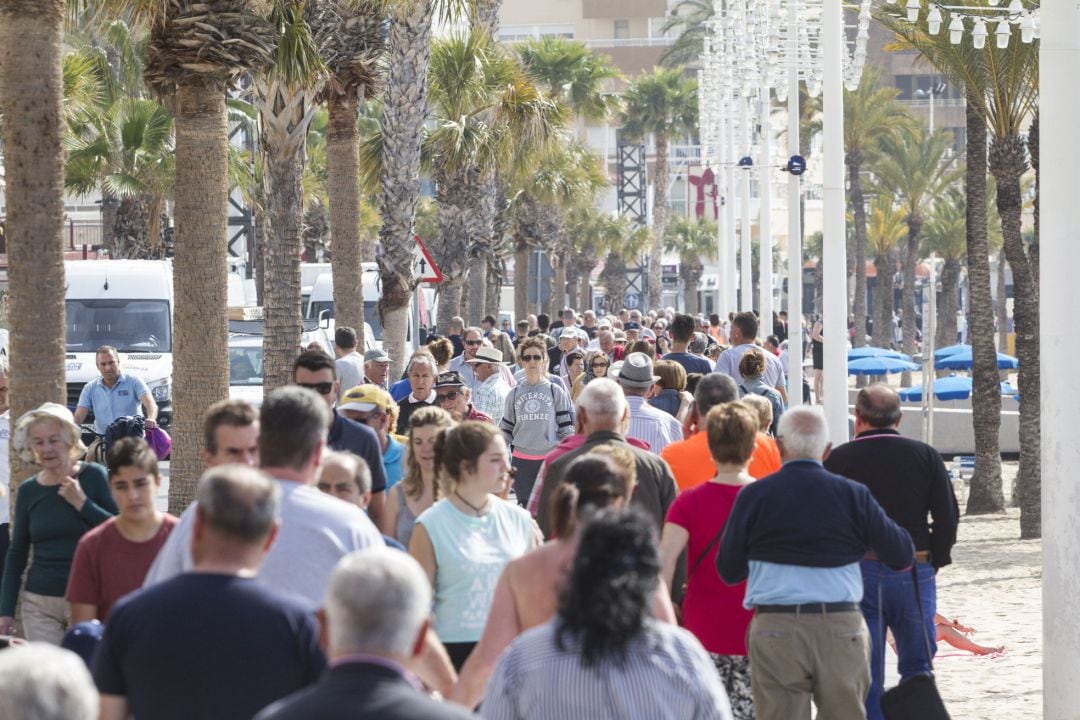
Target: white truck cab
{"x": 127, "y": 304}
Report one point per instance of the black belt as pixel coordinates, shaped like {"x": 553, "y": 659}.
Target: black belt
{"x": 809, "y": 608}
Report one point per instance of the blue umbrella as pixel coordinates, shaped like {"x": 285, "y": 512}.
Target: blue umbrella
{"x": 962, "y": 361}
{"x": 951, "y": 350}
{"x": 879, "y": 366}
{"x": 865, "y": 352}
{"x": 948, "y": 388}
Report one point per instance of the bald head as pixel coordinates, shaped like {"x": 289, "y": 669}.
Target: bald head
{"x": 878, "y": 406}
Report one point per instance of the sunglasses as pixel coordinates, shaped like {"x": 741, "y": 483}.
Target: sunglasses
{"x": 448, "y": 397}
{"x": 599, "y": 364}
{"x": 532, "y": 358}
{"x": 323, "y": 388}
{"x": 474, "y": 342}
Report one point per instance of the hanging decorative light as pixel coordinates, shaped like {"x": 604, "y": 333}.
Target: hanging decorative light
{"x": 1003, "y": 33}
{"x": 978, "y": 34}
{"x": 956, "y": 30}
{"x": 933, "y": 20}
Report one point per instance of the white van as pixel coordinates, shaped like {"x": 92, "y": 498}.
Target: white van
{"x": 127, "y": 304}
{"x": 321, "y": 304}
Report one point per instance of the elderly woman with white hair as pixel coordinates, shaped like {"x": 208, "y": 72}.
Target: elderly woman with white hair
{"x": 53, "y": 509}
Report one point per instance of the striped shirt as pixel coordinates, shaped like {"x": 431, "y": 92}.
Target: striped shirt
{"x": 667, "y": 674}
{"x": 490, "y": 397}
{"x": 653, "y": 426}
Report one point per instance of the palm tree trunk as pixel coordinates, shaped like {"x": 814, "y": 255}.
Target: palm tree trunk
{"x": 109, "y": 205}
{"x": 859, "y": 212}
{"x": 199, "y": 279}
{"x": 343, "y": 189}
{"x": 31, "y": 88}
{"x": 404, "y": 113}
{"x": 911, "y": 262}
{"x": 521, "y": 277}
{"x": 883, "y": 301}
{"x": 660, "y": 213}
{"x": 285, "y": 115}
{"x": 478, "y": 285}
{"x": 449, "y": 301}
{"x": 949, "y": 304}
{"x": 1033, "y": 154}
{"x": 485, "y": 16}
{"x": 614, "y": 279}
{"x": 1007, "y": 164}
{"x": 585, "y": 283}
{"x": 558, "y": 299}
{"x": 986, "y": 494}
{"x": 1002, "y": 307}
{"x": 259, "y": 225}
{"x": 493, "y": 297}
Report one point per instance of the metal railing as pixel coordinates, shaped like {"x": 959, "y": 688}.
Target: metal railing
{"x": 629, "y": 42}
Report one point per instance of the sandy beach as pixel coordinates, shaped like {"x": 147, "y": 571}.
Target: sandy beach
{"x": 994, "y": 585}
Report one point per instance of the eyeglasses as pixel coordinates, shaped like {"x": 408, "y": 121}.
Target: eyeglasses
{"x": 532, "y": 358}
{"x": 474, "y": 342}
{"x": 323, "y": 388}
{"x": 448, "y": 397}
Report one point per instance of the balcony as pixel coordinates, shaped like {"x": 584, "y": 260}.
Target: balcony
{"x": 629, "y": 42}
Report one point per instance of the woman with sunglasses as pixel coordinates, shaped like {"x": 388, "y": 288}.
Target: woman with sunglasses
{"x": 537, "y": 416}
{"x": 597, "y": 364}
{"x": 465, "y": 540}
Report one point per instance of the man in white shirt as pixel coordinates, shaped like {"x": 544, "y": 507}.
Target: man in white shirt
{"x": 744, "y": 328}
{"x": 492, "y": 389}
{"x": 647, "y": 423}
{"x": 349, "y": 363}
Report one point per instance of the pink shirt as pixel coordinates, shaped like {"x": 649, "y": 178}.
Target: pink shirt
{"x": 712, "y": 610}
{"x": 108, "y": 566}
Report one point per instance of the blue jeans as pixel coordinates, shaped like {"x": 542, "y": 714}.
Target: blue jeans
{"x": 898, "y": 612}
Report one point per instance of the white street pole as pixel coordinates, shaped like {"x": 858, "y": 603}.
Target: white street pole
{"x": 725, "y": 274}
{"x": 931, "y": 110}
{"x": 794, "y": 306}
{"x": 729, "y": 172}
{"x": 765, "y": 211}
{"x": 1060, "y": 233}
{"x": 834, "y": 302}
{"x": 928, "y": 352}
{"x": 746, "y": 270}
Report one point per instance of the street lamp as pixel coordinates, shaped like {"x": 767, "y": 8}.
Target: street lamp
{"x": 936, "y": 90}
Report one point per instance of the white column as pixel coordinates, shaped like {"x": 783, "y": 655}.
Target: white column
{"x": 746, "y": 269}
{"x": 729, "y": 173}
{"x": 834, "y": 281}
{"x": 725, "y": 274}
{"x": 1059, "y": 142}
{"x": 794, "y": 306}
{"x": 765, "y": 172}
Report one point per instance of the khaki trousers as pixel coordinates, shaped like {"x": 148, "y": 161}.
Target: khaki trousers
{"x": 44, "y": 618}
{"x": 796, "y": 657}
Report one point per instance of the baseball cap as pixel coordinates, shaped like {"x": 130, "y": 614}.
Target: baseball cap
{"x": 631, "y": 325}
{"x": 376, "y": 356}
{"x": 451, "y": 378}
{"x": 365, "y": 398}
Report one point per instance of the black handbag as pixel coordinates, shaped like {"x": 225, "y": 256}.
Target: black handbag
{"x": 916, "y": 698}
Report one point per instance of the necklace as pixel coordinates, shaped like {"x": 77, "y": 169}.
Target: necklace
{"x": 478, "y": 510}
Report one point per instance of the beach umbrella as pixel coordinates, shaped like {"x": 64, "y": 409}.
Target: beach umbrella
{"x": 951, "y": 350}
{"x": 865, "y": 352}
{"x": 879, "y": 366}
{"x": 962, "y": 361}
{"x": 948, "y": 388}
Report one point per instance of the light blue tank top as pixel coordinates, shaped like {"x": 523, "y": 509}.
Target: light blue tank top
{"x": 470, "y": 553}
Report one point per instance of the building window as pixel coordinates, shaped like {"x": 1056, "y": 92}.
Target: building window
{"x": 622, "y": 29}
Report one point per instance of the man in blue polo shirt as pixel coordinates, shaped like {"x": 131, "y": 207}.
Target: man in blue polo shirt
{"x": 114, "y": 394}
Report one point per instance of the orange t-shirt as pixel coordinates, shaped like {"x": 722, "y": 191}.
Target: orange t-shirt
{"x": 692, "y": 464}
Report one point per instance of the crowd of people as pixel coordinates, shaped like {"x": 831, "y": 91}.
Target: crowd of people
{"x": 602, "y": 517}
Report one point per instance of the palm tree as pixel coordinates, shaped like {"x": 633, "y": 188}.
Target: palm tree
{"x": 633, "y": 241}
{"x": 127, "y": 150}
{"x": 196, "y": 51}
{"x": 944, "y": 235}
{"x": 662, "y": 104}
{"x": 917, "y": 167}
{"x": 573, "y": 75}
{"x": 592, "y": 233}
{"x": 31, "y": 101}
{"x": 349, "y": 34}
{"x": 885, "y": 228}
{"x": 1002, "y": 86}
{"x": 871, "y": 116}
{"x": 689, "y": 19}
{"x": 285, "y": 95}
{"x": 692, "y": 240}
{"x": 488, "y": 114}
